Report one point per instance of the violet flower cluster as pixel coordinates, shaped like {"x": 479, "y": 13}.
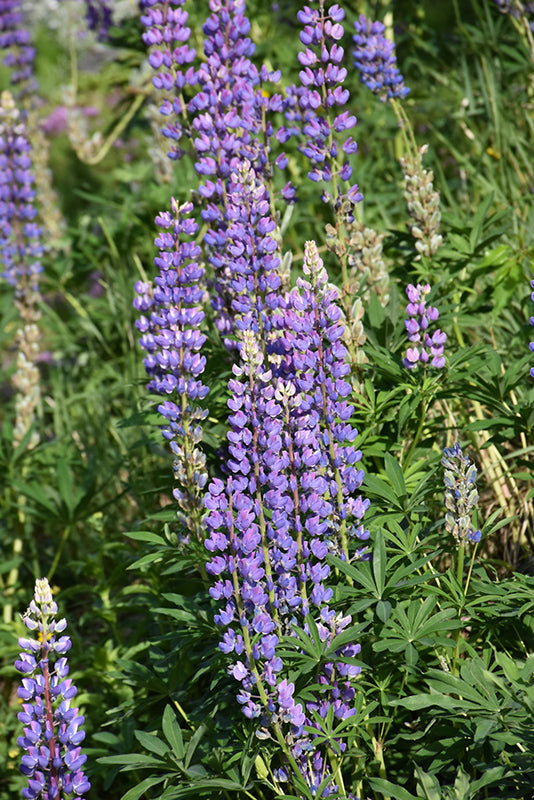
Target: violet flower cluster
{"x": 461, "y": 495}
{"x": 225, "y": 121}
{"x": 375, "y": 60}
{"x": 320, "y": 101}
{"x": 15, "y": 39}
{"x": 289, "y": 500}
{"x": 52, "y": 737}
{"x": 427, "y": 348}
{"x": 532, "y": 323}
{"x": 99, "y": 16}
{"x": 20, "y": 252}
{"x": 171, "y": 336}
{"x": 167, "y": 35}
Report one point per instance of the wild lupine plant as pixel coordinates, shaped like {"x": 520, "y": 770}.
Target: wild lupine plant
{"x": 428, "y": 348}
{"x": 20, "y": 251}
{"x": 53, "y": 758}
{"x": 288, "y": 501}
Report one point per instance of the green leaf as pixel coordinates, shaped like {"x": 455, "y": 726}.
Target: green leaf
{"x": 427, "y": 785}
{"x": 395, "y": 475}
{"x": 478, "y": 221}
{"x": 383, "y": 610}
{"x": 389, "y": 789}
{"x": 379, "y": 562}
{"x": 173, "y": 732}
{"x": 139, "y": 789}
{"x": 151, "y": 742}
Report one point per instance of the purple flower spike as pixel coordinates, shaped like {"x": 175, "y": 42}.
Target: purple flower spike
{"x": 375, "y": 60}
{"x": 99, "y": 17}
{"x": 461, "y": 495}
{"x": 318, "y": 105}
{"x": 52, "y": 729}
{"x": 170, "y": 334}
{"x": 289, "y": 500}
{"x": 428, "y": 348}
{"x": 15, "y": 39}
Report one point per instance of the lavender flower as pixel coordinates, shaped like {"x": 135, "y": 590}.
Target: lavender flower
{"x": 52, "y": 729}
{"x": 532, "y": 323}
{"x": 375, "y": 60}
{"x": 172, "y": 338}
{"x": 461, "y": 496}
{"x": 20, "y": 251}
{"x": 419, "y": 317}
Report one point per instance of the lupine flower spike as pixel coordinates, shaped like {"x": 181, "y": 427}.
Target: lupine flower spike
{"x": 423, "y": 203}
{"x": 172, "y": 339}
{"x": 52, "y": 729}
{"x": 20, "y": 250}
{"x": 461, "y": 495}
{"x": 375, "y": 60}
{"x": 427, "y": 348}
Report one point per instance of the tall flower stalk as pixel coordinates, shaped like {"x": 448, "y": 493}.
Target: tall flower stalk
{"x": 20, "y": 251}
{"x": 289, "y": 500}
{"x": 171, "y": 335}
{"x": 53, "y": 758}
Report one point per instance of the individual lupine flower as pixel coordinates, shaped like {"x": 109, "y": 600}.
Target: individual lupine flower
{"x": 461, "y": 495}
{"x": 375, "y": 60}
{"x": 532, "y": 323}
{"x": 423, "y": 203}
{"x": 320, "y": 100}
{"x": 20, "y": 251}
{"x": 172, "y": 339}
{"x": 428, "y": 348}
{"x": 52, "y": 729}
{"x": 15, "y": 39}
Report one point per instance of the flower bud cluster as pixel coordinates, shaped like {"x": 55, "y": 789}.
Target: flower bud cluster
{"x": 318, "y": 102}
{"x": 15, "y": 39}
{"x": 289, "y": 500}
{"x": 368, "y": 272}
{"x": 52, "y": 729}
{"x": 461, "y": 495}
{"x": 532, "y": 323}
{"x": 375, "y": 60}
{"x": 170, "y": 334}
{"x": 20, "y": 251}
{"x": 423, "y": 204}
{"x": 428, "y": 348}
